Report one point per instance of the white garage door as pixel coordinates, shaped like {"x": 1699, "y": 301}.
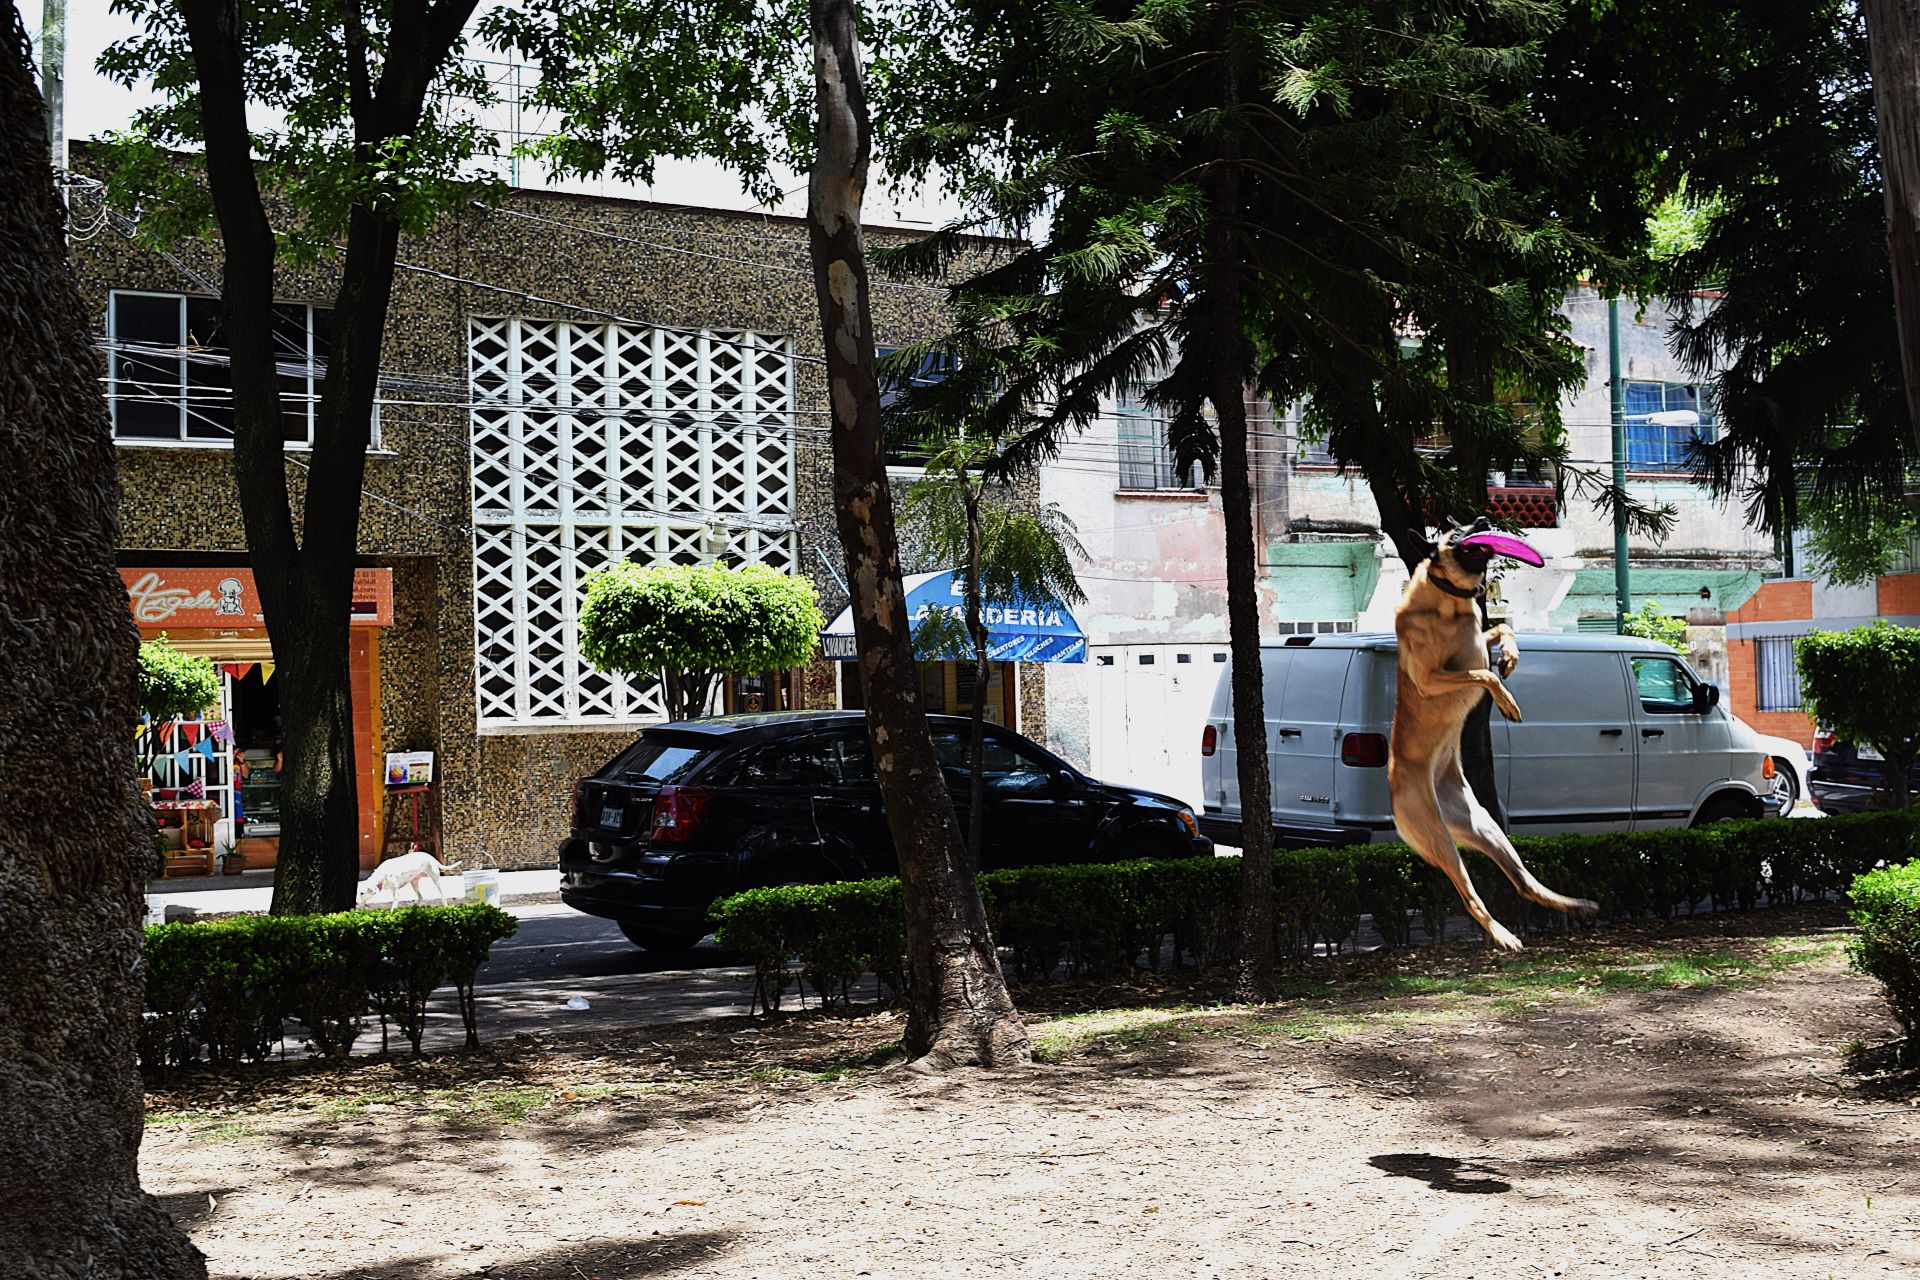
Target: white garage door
{"x": 1148, "y": 704}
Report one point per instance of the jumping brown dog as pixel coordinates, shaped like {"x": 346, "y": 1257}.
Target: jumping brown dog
{"x": 1444, "y": 669}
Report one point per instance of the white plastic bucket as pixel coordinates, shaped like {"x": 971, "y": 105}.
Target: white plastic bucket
{"x": 480, "y": 886}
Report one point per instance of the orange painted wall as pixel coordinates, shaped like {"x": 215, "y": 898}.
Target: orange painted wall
{"x": 1743, "y": 693}
{"x": 1788, "y": 600}
{"x": 1899, "y": 593}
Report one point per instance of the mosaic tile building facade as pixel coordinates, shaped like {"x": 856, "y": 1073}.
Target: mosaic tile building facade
{"x": 566, "y": 380}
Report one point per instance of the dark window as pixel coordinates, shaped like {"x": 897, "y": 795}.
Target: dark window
{"x": 1665, "y": 687}
{"x": 663, "y": 760}
{"x": 1219, "y": 657}
{"x": 171, "y": 377}
{"x": 1146, "y": 659}
{"x": 1778, "y": 676}
{"x": 824, "y": 761}
{"x": 934, "y": 367}
{"x": 1005, "y": 767}
{"x": 1183, "y": 657}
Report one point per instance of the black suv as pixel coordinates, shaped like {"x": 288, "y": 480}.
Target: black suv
{"x": 698, "y": 809}
{"x": 1846, "y": 779}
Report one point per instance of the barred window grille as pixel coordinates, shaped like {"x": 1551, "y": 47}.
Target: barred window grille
{"x": 594, "y": 443}
{"x": 1776, "y": 674}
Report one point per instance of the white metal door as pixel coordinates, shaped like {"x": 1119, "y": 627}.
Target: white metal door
{"x": 1149, "y": 704}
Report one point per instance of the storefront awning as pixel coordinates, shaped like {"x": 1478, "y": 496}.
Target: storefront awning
{"x": 1023, "y": 632}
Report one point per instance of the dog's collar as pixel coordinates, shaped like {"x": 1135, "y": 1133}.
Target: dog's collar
{"x": 1452, "y": 588}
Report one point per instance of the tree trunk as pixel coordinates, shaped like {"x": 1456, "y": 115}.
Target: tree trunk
{"x": 1228, "y": 359}
{"x": 958, "y": 1007}
{"x": 977, "y": 631}
{"x": 73, "y": 856}
{"x": 1893, "y": 30}
{"x": 306, "y": 579}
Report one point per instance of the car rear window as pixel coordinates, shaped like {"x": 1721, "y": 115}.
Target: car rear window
{"x": 661, "y": 759}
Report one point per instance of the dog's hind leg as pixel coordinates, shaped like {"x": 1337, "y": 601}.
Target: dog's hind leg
{"x": 1469, "y": 823}
{"x": 1416, "y": 813}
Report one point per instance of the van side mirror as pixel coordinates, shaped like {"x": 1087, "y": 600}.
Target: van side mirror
{"x": 1705, "y": 698}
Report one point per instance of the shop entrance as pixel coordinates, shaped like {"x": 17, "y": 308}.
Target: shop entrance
{"x": 946, "y": 688}
{"x": 253, "y": 712}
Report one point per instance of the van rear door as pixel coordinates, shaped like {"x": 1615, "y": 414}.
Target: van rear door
{"x": 1570, "y": 762}
{"x": 1305, "y": 734}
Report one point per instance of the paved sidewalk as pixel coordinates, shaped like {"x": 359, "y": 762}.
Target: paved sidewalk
{"x": 251, "y": 892}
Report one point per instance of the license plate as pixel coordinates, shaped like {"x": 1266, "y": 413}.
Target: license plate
{"x": 610, "y": 815}
{"x": 1868, "y": 753}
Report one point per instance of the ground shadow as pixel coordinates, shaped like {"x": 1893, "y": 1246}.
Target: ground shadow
{"x": 1443, "y": 1173}
{"x": 623, "y": 1259}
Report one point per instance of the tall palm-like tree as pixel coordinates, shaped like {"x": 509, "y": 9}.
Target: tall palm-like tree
{"x": 1004, "y": 553}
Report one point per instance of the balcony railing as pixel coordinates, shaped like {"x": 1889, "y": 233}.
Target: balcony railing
{"x": 1530, "y": 507}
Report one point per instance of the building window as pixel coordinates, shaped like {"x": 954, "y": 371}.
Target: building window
{"x": 1312, "y": 628}
{"x": 933, "y": 369}
{"x": 1652, "y": 446}
{"x": 1146, "y": 460}
{"x": 606, "y": 442}
{"x": 1776, "y": 674}
{"x": 170, "y": 379}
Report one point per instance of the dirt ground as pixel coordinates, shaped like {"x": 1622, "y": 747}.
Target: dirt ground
{"x": 1672, "y": 1101}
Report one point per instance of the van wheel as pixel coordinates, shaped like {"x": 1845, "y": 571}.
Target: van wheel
{"x": 1786, "y": 788}
{"x": 660, "y": 942}
{"x": 1724, "y": 808}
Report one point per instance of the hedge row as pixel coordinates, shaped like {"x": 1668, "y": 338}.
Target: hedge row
{"x": 1097, "y": 920}
{"x": 223, "y": 991}
{"x": 1886, "y": 906}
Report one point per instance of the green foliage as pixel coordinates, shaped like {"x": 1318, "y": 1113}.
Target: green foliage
{"x": 1651, "y": 624}
{"x": 223, "y": 990}
{"x": 175, "y": 685}
{"x": 961, "y": 514}
{"x": 1857, "y": 536}
{"x": 1864, "y": 685}
{"x": 1098, "y": 920}
{"x": 1886, "y": 907}
{"x": 695, "y": 621}
{"x": 306, "y": 68}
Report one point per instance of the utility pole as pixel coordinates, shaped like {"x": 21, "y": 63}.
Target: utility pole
{"x": 53, "y": 77}
{"x": 1622, "y": 588}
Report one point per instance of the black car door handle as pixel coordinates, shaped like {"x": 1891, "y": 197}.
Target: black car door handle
{"x": 1289, "y": 733}
{"x": 1653, "y": 733}
{"x": 1611, "y": 733}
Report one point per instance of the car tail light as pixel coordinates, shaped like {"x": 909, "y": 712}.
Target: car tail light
{"x": 1208, "y": 740}
{"x": 1364, "y": 750}
{"x": 1822, "y": 740}
{"x": 1766, "y": 766}
{"x": 676, "y": 814}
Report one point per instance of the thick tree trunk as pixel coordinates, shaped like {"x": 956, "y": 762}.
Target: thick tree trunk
{"x": 1228, "y": 360}
{"x": 1893, "y": 30}
{"x": 958, "y": 1007}
{"x": 73, "y": 857}
{"x": 306, "y": 579}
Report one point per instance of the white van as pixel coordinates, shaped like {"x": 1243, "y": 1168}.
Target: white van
{"x": 1619, "y": 734}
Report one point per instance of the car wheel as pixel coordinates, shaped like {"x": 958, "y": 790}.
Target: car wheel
{"x": 1723, "y": 808}
{"x": 1786, "y": 787}
{"x": 658, "y": 941}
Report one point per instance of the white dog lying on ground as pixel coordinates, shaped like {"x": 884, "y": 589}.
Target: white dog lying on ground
{"x": 398, "y": 873}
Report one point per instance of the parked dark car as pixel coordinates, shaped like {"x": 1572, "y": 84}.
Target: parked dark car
{"x": 1850, "y": 779}
{"x": 698, "y": 809}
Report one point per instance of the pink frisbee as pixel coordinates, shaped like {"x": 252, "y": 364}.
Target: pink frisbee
{"x": 1504, "y": 544}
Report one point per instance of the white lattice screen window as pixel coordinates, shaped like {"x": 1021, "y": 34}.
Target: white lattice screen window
{"x": 601, "y": 442}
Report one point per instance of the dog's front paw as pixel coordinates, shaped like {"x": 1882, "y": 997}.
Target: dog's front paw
{"x": 1503, "y": 938}
{"x": 1508, "y": 707}
{"x": 1505, "y": 663}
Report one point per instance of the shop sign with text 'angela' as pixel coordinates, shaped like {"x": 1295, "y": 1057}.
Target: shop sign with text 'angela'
{"x": 199, "y": 597}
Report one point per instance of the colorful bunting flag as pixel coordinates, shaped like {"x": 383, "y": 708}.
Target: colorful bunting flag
{"x": 206, "y": 748}
{"x": 197, "y": 789}
{"x": 190, "y": 731}
{"x": 139, "y": 731}
{"x": 266, "y": 672}
{"x": 182, "y": 758}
